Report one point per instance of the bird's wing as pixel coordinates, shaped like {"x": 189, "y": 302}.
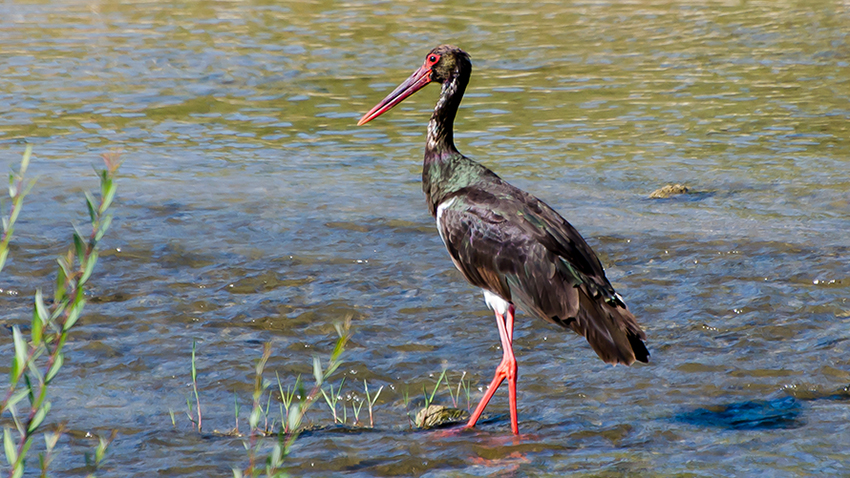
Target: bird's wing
{"x": 529, "y": 254}
{"x": 481, "y": 243}
{"x": 559, "y": 236}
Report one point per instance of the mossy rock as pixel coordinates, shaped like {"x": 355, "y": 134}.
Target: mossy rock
{"x": 669, "y": 190}
{"x": 437, "y": 415}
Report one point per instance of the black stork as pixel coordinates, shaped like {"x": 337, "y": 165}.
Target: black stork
{"x": 509, "y": 243}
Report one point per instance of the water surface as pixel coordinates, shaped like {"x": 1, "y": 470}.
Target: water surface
{"x": 252, "y": 210}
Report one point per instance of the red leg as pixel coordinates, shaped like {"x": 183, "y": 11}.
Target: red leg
{"x": 507, "y": 369}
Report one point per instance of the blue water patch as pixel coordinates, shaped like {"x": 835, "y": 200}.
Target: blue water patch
{"x": 779, "y": 413}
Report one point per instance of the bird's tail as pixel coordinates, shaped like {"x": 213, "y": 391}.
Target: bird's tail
{"x": 610, "y": 329}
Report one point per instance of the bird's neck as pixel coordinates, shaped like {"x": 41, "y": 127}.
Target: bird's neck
{"x": 441, "y": 155}
{"x": 440, "y": 129}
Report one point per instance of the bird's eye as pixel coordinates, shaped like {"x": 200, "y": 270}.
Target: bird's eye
{"x": 432, "y": 59}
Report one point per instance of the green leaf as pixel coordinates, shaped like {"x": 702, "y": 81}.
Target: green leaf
{"x": 79, "y": 245}
{"x": 33, "y": 366}
{"x": 63, "y": 263}
{"x": 37, "y": 329}
{"x": 40, "y": 308}
{"x": 14, "y": 372}
{"x": 109, "y": 188}
{"x": 194, "y": 369}
{"x": 39, "y": 417}
{"x": 30, "y": 390}
{"x": 439, "y": 380}
{"x": 50, "y": 440}
{"x": 59, "y": 310}
{"x": 39, "y": 317}
{"x": 59, "y": 293}
{"x": 276, "y": 457}
{"x": 294, "y": 417}
{"x": 104, "y": 225}
{"x": 317, "y": 370}
{"x": 254, "y": 419}
{"x": 25, "y": 160}
{"x": 90, "y": 263}
{"x": 74, "y": 315}
{"x": 9, "y": 445}
{"x": 20, "y": 360}
{"x": 90, "y": 204}
{"x": 17, "y": 397}
{"x": 54, "y": 369}
{"x": 23, "y": 454}
{"x": 3, "y": 254}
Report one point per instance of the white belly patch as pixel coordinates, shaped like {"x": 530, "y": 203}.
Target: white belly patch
{"x": 496, "y": 303}
{"x": 442, "y": 207}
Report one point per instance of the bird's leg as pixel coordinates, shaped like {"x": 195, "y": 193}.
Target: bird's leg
{"x": 511, "y": 368}
{"x": 507, "y": 369}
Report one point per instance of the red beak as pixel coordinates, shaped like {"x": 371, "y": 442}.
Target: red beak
{"x": 417, "y": 80}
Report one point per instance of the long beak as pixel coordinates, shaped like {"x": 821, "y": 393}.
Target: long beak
{"x": 417, "y": 80}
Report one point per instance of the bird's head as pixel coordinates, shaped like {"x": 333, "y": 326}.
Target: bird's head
{"x": 442, "y": 64}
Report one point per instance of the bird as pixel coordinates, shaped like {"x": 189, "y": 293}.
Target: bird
{"x": 509, "y": 243}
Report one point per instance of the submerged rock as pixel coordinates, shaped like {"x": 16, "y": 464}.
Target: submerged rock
{"x": 668, "y": 191}
{"x": 438, "y": 415}
{"x": 804, "y": 393}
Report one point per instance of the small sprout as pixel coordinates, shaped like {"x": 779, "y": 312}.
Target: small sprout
{"x": 195, "y": 389}
{"x": 372, "y": 401}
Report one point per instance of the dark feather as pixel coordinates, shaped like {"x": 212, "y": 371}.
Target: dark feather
{"x": 514, "y": 245}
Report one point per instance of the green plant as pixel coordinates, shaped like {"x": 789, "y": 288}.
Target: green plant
{"x": 291, "y": 428}
{"x": 455, "y": 394}
{"x": 18, "y": 188}
{"x": 430, "y": 399}
{"x": 236, "y": 412}
{"x": 37, "y": 361}
{"x": 195, "y": 417}
{"x": 94, "y": 461}
{"x": 286, "y": 399}
{"x": 371, "y": 401}
{"x": 333, "y": 399}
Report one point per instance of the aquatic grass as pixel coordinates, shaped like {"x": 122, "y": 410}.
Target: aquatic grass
{"x": 195, "y": 417}
{"x": 290, "y": 429}
{"x": 430, "y": 399}
{"x": 356, "y": 407}
{"x": 36, "y": 362}
{"x": 371, "y": 401}
{"x": 260, "y": 385}
{"x": 429, "y": 414}
{"x": 287, "y": 397}
{"x": 236, "y": 412}
{"x": 406, "y": 400}
{"x": 333, "y": 399}
{"x": 93, "y": 461}
{"x": 455, "y": 395}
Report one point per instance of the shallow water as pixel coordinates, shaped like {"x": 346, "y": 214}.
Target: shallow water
{"x": 252, "y": 210}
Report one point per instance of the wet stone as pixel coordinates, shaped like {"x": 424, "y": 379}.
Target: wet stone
{"x": 668, "y": 191}
{"x": 437, "y": 415}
